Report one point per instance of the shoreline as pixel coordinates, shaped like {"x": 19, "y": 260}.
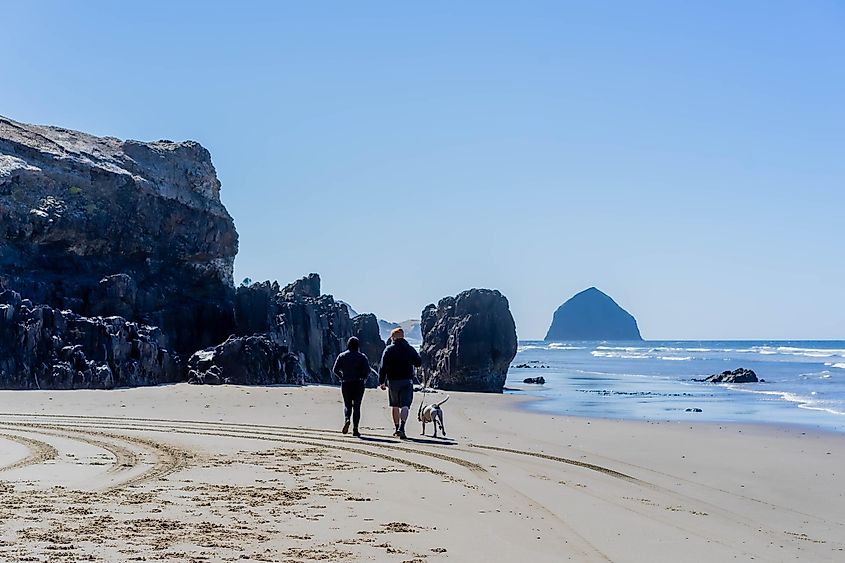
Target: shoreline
{"x": 655, "y": 380}
{"x": 529, "y": 399}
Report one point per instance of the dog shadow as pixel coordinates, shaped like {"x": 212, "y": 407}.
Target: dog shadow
{"x": 439, "y": 441}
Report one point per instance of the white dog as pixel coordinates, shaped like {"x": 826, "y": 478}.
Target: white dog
{"x": 432, "y": 413}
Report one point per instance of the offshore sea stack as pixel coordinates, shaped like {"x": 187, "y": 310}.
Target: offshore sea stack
{"x": 468, "y": 341}
{"x": 288, "y": 334}
{"x": 592, "y": 315}
{"x": 105, "y": 227}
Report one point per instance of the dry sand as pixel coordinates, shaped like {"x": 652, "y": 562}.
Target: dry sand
{"x": 183, "y": 473}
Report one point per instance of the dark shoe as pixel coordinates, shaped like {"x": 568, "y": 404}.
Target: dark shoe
{"x": 356, "y": 433}
{"x": 396, "y": 434}
{"x": 401, "y": 434}
{"x": 345, "y": 427}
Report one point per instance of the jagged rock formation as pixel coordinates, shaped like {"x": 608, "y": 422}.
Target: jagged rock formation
{"x": 592, "y": 315}
{"x": 352, "y": 312}
{"x": 468, "y": 341}
{"x": 105, "y": 227}
{"x": 246, "y": 360}
{"x": 366, "y": 328}
{"x": 44, "y": 348}
{"x": 740, "y": 375}
{"x": 298, "y": 334}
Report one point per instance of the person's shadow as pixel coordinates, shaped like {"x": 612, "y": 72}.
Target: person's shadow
{"x": 379, "y": 440}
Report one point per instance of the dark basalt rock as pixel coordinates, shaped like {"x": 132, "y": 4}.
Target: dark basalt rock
{"x": 45, "y": 348}
{"x": 740, "y": 375}
{"x": 245, "y": 360}
{"x": 535, "y": 380}
{"x": 288, "y": 335}
{"x": 366, "y": 328}
{"x": 108, "y": 227}
{"x": 592, "y": 315}
{"x": 468, "y": 341}
{"x": 534, "y": 364}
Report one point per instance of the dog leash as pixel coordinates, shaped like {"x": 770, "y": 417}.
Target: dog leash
{"x": 422, "y": 402}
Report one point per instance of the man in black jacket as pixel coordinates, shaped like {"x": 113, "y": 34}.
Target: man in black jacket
{"x": 397, "y": 375}
{"x": 352, "y": 369}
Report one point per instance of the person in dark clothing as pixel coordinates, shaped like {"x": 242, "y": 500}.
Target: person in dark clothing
{"x": 352, "y": 369}
{"x": 397, "y": 375}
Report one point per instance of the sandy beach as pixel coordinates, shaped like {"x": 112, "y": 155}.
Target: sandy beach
{"x": 190, "y": 473}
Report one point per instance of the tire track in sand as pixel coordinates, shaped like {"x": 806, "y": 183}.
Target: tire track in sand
{"x": 254, "y": 431}
{"x": 39, "y": 452}
{"x": 124, "y": 459}
{"x": 166, "y": 458}
{"x": 174, "y": 458}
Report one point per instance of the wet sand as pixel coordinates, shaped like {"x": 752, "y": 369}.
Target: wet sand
{"x": 186, "y": 473}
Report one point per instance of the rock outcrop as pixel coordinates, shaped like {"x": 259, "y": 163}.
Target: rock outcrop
{"x": 107, "y": 227}
{"x": 592, "y": 315}
{"x": 246, "y": 360}
{"x": 366, "y": 328}
{"x": 468, "y": 341}
{"x": 740, "y": 375}
{"x": 45, "y": 348}
{"x": 290, "y": 334}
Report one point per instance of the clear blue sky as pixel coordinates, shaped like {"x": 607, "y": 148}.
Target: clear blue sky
{"x": 687, "y": 160}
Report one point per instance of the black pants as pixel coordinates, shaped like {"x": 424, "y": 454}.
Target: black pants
{"x": 353, "y": 394}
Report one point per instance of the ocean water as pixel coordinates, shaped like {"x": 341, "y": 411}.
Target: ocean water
{"x": 804, "y": 380}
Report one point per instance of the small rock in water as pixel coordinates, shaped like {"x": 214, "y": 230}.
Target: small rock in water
{"x": 694, "y": 410}
{"x": 535, "y": 380}
{"x": 740, "y": 375}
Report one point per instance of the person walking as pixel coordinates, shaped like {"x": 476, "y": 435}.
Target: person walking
{"x": 396, "y": 374}
{"x": 352, "y": 369}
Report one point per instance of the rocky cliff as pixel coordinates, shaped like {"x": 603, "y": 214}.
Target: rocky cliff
{"x": 289, "y": 334}
{"x": 468, "y": 341}
{"x": 106, "y": 227}
{"x": 592, "y": 315}
{"x": 123, "y": 253}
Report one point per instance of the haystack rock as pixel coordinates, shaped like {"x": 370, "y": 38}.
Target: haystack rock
{"x": 290, "y": 334}
{"x": 592, "y": 315}
{"x": 106, "y": 227}
{"x": 468, "y": 341}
